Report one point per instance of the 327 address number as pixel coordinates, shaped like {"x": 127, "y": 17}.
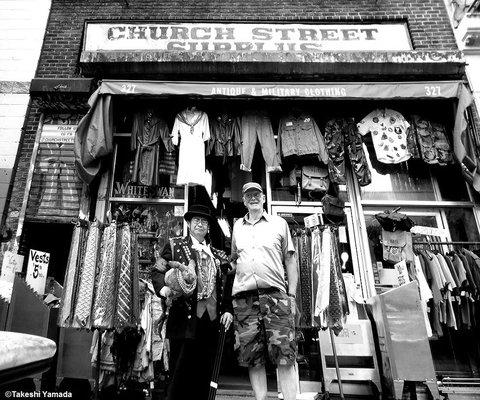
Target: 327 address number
{"x": 128, "y": 88}
{"x": 432, "y": 91}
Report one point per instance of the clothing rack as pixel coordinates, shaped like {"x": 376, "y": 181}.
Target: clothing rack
{"x": 462, "y": 243}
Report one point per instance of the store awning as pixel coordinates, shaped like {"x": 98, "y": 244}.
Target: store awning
{"x": 94, "y": 134}
{"x": 339, "y": 91}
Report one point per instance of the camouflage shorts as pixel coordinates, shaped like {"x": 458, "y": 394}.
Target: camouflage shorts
{"x": 264, "y": 327}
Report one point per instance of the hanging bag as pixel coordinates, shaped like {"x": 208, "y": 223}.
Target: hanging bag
{"x": 333, "y": 207}
{"x": 315, "y": 178}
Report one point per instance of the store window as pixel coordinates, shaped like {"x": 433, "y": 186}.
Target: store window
{"x": 433, "y": 197}
{"x": 414, "y": 181}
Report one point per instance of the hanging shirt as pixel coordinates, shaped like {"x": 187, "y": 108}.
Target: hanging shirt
{"x": 190, "y": 130}
{"x": 389, "y": 135}
{"x": 425, "y": 293}
{"x": 438, "y": 304}
{"x": 432, "y": 138}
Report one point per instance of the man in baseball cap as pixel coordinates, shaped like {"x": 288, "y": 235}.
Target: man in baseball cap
{"x": 264, "y": 305}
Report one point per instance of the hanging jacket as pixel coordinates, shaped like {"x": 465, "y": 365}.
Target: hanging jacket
{"x": 225, "y": 136}
{"x": 148, "y": 131}
{"x": 298, "y": 134}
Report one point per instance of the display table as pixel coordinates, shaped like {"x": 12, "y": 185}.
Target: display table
{"x": 22, "y": 355}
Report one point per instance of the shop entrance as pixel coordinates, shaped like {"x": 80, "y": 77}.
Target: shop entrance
{"x": 51, "y": 238}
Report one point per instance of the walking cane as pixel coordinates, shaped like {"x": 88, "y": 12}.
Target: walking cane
{"x": 216, "y": 367}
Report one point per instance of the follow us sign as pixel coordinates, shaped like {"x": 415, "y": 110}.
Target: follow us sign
{"x": 37, "y": 270}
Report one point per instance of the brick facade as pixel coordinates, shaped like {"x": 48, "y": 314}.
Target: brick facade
{"x": 427, "y": 21}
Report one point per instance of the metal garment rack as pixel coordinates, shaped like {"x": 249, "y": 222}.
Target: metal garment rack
{"x": 458, "y": 243}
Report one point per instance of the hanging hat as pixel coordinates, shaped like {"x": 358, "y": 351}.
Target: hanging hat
{"x": 197, "y": 210}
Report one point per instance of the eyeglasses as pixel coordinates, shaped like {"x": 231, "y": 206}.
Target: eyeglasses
{"x": 256, "y": 195}
{"x": 200, "y": 220}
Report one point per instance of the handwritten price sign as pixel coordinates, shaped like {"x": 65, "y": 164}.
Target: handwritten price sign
{"x": 37, "y": 270}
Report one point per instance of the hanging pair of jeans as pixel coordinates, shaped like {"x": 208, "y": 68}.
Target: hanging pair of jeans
{"x": 257, "y": 124}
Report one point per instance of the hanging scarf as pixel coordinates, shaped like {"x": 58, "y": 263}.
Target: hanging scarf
{"x": 331, "y": 303}
{"x": 71, "y": 275}
{"x": 135, "y": 277}
{"x": 123, "y": 312}
{"x": 104, "y": 306}
{"x": 183, "y": 118}
{"x": 83, "y": 308}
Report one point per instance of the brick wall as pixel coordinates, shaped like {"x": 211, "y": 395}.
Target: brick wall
{"x": 427, "y": 20}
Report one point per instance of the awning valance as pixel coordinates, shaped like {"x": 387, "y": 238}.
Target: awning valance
{"x": 340, "y": 90}
{"x": 94, "y": 134}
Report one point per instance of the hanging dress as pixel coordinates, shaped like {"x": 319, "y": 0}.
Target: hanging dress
{"x": 149, "y": 130}
{"x": 190, "y": 130}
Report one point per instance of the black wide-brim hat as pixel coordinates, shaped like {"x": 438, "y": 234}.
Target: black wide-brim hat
{"x": 197, "y": 210}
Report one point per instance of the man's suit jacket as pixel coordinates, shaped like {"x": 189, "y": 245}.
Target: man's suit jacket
{"x": 181, "y": 321}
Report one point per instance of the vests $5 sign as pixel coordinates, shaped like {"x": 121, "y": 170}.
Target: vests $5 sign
{"x": 37, "y": 270}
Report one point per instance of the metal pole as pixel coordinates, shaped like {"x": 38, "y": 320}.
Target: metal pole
{"x": 337, "y": 368}
{"x": 216, "y": 367}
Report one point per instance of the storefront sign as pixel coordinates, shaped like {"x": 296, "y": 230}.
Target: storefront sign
{"x": 128, "y": 189}
{"x": 58, "y": 134}
{"x": 37, "y": 270}
{"x": 429, "y": 231}
{"x": 12, "y": 263}
{"x": 246, "y": 37}
{"x": 55, "y": 188}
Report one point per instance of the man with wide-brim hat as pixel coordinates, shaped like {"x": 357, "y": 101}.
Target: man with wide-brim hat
{"x": 197, "y": 308}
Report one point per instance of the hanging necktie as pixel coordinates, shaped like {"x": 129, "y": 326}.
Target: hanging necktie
{"x": 87, "y": 282}
{"x": 104, "y": 307}
{"x": 338, "y": 308}
{"x": 124, "y": 295}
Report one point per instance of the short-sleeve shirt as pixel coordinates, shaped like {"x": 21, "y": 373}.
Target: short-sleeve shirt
{"x": 389, "y": 135}
{"x": 261, "y": 249}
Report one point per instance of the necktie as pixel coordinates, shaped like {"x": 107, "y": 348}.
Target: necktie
{"x": 338, "y": 308}
{"x": 87, "y": 283}
{"x": 104, "y": 306}
{"x": 124, "y": 295}
{"x": 321, "y": 242}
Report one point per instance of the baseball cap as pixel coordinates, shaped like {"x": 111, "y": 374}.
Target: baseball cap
{"x": 251, "y": 185}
